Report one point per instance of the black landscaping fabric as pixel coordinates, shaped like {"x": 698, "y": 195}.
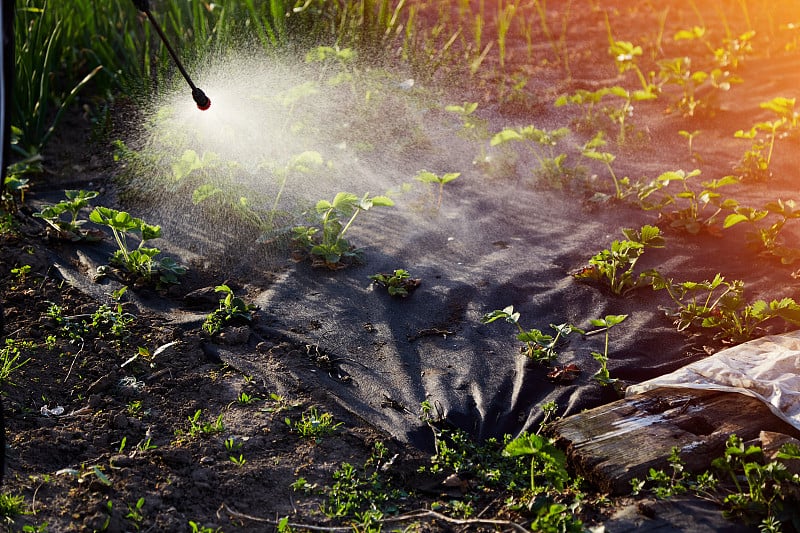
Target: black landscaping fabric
{"x": 488, "y": 247}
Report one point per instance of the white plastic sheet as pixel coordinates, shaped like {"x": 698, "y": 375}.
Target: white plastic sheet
{"x": 767, "y": 368}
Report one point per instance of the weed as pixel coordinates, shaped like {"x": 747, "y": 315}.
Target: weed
{"x": 314, "y": 425}
{"x": 145, "y": 445}
{"x": 603, "y": 376}
{"x": 425, "y": 176}
{"x": 615, "y": 266}
{"x": 21, "y": 274}
{"x": 547, "y": 461}
{"x": 330, "y": 249}
{"x": 140, "y": 261}
{"x": 114, "y": 320}
{"x": 11, "y": 506}
{"x": 194, "y": 527}
{"x": 750, "y": 487}
{"x": 135, "y": 514}
{"x": 238, "y": 461}
{"x": 673, "y": 483}
{"x": 29, "y": 528}
{"x": 231, "y": 445}
{"x": 10, "y": 361}
{"x": 398, "y": 283}
{"x": 199, "y": 427}
{"x": 232, "y": 310}
{"x": 539, "y": 346}
{"x": 280, "y": 404}
{"x": 70, "y": 229}
{"x": 245, "y": 399}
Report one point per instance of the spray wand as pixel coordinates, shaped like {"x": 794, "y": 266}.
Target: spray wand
{"x": 203, "y": 102}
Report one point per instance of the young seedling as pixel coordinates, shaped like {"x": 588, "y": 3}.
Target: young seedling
{"x": 603, "y": 376}
{"x": 314, "y": 425}
{"x": 615, "y": 266}
{"x": 329, "y": 248}
{"x": 232, "y": 310}
{"x": 690, "y": 136}
{"x": 542, "y": 145}
{"x": 399, "y": 283}
{"x": 757, "y": 160}
{"x": 425, "y": 176}
{"x": 539, "y": 346}
{"x": 473, "y": 127}
{"x": 70, "y": 229}
{"x": 590, "y": 152}
{"x": 769, "y": 238}
{"x": 199, "y": 427}
{"x": 546, "y": 460}
{"x": 140, "y": 261}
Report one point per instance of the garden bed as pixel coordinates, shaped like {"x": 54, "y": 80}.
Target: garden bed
{"x": 134, "y": 412}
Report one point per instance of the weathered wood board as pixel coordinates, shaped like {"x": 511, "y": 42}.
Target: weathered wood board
{"x": 614, "y": 443}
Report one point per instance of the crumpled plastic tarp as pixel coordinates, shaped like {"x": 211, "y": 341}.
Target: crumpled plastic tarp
{"x": 767, "y": 368}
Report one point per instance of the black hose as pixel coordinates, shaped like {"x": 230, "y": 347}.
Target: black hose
{"x": 7, "y": 73}
{"x": 203, "y": 102}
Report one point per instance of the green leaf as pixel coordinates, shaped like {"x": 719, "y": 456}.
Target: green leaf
{"x": 506, "y": 135}
{"x": 382, "y": 201}
{"x": 733, "y": 219}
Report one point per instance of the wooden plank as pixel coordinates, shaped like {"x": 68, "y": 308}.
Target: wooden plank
{"x": 614, "y": 443}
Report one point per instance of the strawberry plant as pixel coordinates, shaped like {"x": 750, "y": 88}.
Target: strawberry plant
{"x": 551, "y": 162}
{"x": 139, "y": 262}
{"x": 70, "y": 229}
{"x": 603, "y": 376}
{"x": 719, "y": 306}
{"x": 678, "y": 72}
{"x": 590, "y": 151}
{"x": 399, "y": 283}
{"x": 615, "y": 265}
{"x": 329, "y": 248}
{"x": 232, "y": 310}
{"x": 539, "y": 346}
{"x": 690, "y": 204}
{"x": 757, "y": 160}
{"x": 769, "y": 238}
{"x": 616, "y": 114}
{"x": 425, "y": 176}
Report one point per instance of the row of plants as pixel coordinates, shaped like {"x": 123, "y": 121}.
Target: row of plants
{"x": 525, "y": 479}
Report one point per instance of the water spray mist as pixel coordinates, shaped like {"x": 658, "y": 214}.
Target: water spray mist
{"x": 203, "y": 102}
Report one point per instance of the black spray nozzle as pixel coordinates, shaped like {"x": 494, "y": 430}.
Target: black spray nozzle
{"x": 203, "y": 102}
{"x": 200, "y": 98}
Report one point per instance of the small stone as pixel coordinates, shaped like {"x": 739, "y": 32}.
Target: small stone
{"x": 121, "y": 460}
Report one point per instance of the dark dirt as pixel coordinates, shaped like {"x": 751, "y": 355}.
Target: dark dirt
{"x": 123, "y": 434}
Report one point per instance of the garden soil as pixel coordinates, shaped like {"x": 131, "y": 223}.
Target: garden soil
{"x": 336, "y": 341}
